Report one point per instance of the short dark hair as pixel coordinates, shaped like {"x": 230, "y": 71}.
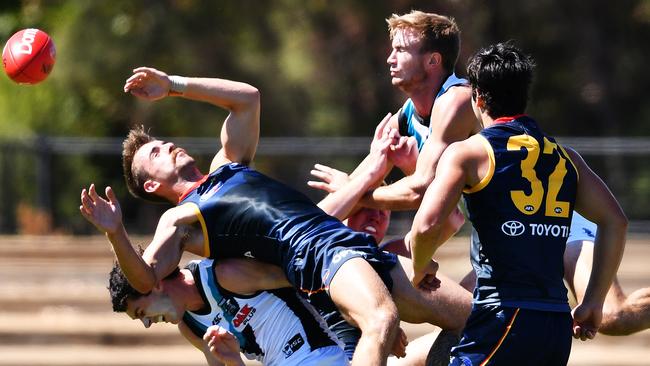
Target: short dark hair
{"x": 121, "y": 290}
{"x": 135, "y": 178}
{"x": 501, "y": 75}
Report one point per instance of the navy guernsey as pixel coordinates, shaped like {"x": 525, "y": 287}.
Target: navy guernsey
{"x": 244, "y": 213}
{"x": 522, "y": 213}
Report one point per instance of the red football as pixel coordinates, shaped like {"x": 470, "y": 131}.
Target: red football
{"x": 29, "y": 56}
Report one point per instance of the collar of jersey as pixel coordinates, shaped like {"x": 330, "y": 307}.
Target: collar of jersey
{"x": 509, "y": 119}
{"x": 193, "y": 187}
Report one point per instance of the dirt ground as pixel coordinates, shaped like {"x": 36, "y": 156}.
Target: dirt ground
{"x": 55, "y": 310}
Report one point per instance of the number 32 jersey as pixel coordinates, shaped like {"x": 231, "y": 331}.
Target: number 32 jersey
{"x": 522, "y": 212}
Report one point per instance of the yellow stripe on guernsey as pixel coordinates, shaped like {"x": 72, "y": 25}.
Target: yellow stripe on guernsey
{"x": 204, "y": 229}
{"x": 568, "y": 157}
{"x": 503, "y": 337}
{"x": 488, "y": 175}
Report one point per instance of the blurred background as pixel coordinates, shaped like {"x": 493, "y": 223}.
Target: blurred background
{"x": 321, "y": 68}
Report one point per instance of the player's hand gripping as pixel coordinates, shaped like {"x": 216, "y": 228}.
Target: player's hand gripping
{"x": 148, "y": 83}
{"x": 105, "y": 214}
{"x": 586, "y": 321}
{"x": 223, "y": 345}
{"x": 426, "y": 279}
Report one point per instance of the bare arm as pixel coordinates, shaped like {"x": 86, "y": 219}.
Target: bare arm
{"x": 452, "y": 120}
{"x": 247, "y": 276}
{"x": 597, "y": 203}
{"x": 460, "y": 166}
{"x": 240, "y": 131}
{"x": 161, "y": 256}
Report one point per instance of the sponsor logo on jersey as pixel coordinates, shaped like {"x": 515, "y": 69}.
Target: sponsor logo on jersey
{"x": 205, "y": 196}
{"x": 248, "y": 254}
{"x": 217, "y": 319}
{"x": 293, "y": 345}
{"x": 243, "y": 316}
{"x": 513, "y": 228}
{"x": 516, "y": 228}
{"x": 229, "y": 306}
{"x": 556, "y": 231}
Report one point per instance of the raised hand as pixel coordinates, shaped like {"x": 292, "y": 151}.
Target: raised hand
{"x": 148, "y": 83}
{"x": 383, "y": 131}
{"x": 331, "y": 179}
{"x": 105, "y": 214}
{"x": 223, "y": 345}
{"x": 404, "y": 154}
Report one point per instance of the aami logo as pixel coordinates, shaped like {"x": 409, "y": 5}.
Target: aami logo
{"x": 513, "y": 228}
{"x": 29, "y": 35}
{"x": 244, "y": 315}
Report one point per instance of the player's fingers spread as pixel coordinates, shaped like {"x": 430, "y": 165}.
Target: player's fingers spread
{"x": 320, "y": 174}
{"x": 110, "y": 194}
{"x": 322, "y": 167}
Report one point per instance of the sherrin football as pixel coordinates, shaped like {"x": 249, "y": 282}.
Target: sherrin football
{"x": 29, "y": 56}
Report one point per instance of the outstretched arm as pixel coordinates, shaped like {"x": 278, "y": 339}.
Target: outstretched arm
{"x": 240, "y": 131}
{"x": 595, "y": 202}
{"x": 160, "y": 258}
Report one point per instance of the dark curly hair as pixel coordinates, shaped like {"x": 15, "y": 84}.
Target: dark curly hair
{"x": 501, "y": 75}
{"x": 121, "y": 290}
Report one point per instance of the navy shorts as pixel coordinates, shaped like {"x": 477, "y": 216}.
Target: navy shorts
{"x": 314, "y": 265}
{"x": 496, "y": 335}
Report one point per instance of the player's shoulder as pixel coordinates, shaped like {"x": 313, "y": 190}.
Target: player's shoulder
{"x": 456, "y": 95}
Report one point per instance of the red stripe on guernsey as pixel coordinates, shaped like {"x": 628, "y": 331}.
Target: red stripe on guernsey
{"x": 193, "y": 187}
{"x": 503, "y": 337}
{"x": 508, "y": 119}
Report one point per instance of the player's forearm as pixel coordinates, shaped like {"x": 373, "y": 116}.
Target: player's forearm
{"x": 341, "y": 202}
{"x": 405, "y": 194}
{"x": 138, "y": 273}
{"x": 608, "y": 251}
{"x": 227, "y": 94}
{"x": 423, "y": 245}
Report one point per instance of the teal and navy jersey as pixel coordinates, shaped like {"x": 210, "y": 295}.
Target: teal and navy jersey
{"x": 412, "y": 124}
{"x": 274, "y": 327}
{"x": 244, "y": 213}
{"x": 522, "y": 212}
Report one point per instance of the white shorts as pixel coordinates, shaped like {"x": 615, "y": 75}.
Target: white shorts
{"x": 581, "y": 229}
{"x": 324, "y": 356}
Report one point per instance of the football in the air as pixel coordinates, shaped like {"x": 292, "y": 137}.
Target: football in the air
{"x": 29, "y": 56}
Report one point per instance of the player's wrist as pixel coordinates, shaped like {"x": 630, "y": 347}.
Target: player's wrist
{"x": 177, "y": 85}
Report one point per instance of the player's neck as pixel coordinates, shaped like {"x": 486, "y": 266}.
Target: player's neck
{"x": 423, "y": 96}
{"x": 186, "y": 183}
{"x": 189, "y": 292}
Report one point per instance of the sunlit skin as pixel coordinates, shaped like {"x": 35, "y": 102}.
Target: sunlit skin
{"x": 407, "y": 63}
{"x": 166, "y": 165}
{"x": 156, "y": 307}
{"x": 370, "y": 221}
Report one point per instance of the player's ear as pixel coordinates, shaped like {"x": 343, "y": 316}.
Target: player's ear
{"x": 435, "y": 59}
{"x": 151, "y": 186}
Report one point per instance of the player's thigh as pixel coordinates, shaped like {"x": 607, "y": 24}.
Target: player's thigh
{"x": 358, "y": 292}
{"x": 448, "y": 306}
